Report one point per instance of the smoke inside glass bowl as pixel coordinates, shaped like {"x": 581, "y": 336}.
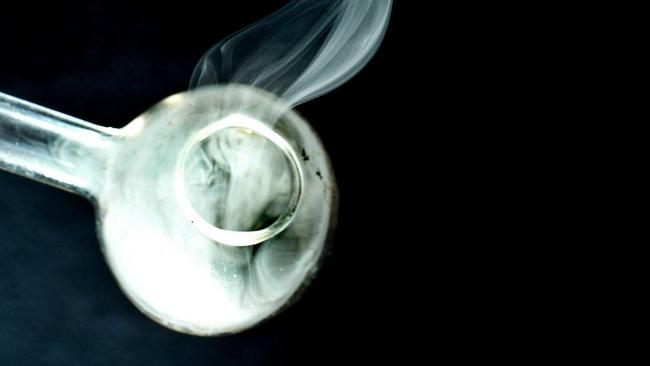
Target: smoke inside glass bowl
{"x": 238, "y": 180}
{"x": 172, "y": 271}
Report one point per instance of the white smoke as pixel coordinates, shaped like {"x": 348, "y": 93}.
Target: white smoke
{"x": 304, "y": 50}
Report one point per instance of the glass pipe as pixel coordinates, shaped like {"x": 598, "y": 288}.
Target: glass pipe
{"x": 213, "y": 207}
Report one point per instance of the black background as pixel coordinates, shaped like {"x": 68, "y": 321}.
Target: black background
{"x": 107, "y": 62}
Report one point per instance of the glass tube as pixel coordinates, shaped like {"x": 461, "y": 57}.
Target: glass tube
{"x": 51, "y": 147}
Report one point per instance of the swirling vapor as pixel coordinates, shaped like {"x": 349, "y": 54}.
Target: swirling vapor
{"x": 302, "y": 51}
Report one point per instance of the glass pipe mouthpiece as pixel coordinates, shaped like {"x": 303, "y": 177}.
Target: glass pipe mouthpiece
{"x": 213, "y": 207}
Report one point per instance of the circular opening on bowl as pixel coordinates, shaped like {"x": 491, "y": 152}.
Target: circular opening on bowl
{"x": 238, "y": 181}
